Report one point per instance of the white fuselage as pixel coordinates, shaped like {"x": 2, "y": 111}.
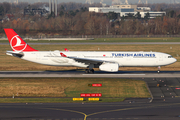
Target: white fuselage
{"x": 124, "y": 59}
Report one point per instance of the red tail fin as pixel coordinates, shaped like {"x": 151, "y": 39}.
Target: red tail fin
{"x": 63, "y": 55}
{"x": 16, "y": 42}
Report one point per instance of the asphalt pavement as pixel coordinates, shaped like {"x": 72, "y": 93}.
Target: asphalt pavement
{"x": 97, "y": 74}
{"x": 92, "y": 111}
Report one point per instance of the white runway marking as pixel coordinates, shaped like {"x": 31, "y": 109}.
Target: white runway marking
{"x": 114, "y": 74}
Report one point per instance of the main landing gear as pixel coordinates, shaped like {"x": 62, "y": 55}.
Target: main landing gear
{"x": 159, "y": 67}
{"x": 91, "y": 71}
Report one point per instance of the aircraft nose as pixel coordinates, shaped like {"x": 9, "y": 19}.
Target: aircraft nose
{"x": 174, "y": 60}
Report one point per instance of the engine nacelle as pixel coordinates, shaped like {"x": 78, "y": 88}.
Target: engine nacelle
{"x": 109, "y": 67}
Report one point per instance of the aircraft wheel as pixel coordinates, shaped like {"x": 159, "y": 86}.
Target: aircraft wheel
{"x": 159, "y": 67}
{"x": 91, "y": 71}
{"x": 86, "y": 71}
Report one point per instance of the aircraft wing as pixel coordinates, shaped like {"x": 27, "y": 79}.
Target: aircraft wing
{"x": 85, "y": 60}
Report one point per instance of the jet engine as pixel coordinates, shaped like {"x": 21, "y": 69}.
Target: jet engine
{"x": 109, "y": 67}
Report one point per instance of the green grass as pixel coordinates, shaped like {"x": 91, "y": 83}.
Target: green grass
{"x": 35, "y": 100}
{"x": 64, "y": 89}
{"x": 54, "y": 100}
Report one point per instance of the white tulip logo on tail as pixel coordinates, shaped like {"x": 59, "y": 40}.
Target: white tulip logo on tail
{"x": 17, "y": 44}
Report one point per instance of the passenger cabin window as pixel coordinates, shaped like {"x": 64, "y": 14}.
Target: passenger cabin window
{"x": 170, "y": 57}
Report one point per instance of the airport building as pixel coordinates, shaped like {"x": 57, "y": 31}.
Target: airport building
{"x": 38, "y": 11}
{"x": 152, "y": 14}
{"x": 124, "y": 10}
{"x": 104, "y": 9}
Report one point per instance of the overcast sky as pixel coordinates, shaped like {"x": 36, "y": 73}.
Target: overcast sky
{"x": 105, "y": 1}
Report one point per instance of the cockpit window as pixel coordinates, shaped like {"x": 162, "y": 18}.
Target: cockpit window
{"x": 170, "y": 57}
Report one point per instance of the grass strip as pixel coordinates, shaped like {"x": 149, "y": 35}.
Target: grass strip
{"x": 67, "y": 88}
{"x": 55, "y": 100}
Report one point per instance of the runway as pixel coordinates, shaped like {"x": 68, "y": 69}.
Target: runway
{"x": 97, "y": 74}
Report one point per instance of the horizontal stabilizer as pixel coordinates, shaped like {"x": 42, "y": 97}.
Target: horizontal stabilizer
{"x": 15, "y": 54}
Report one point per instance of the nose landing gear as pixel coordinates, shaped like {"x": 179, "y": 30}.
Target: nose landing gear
{"x": 159, "y": 67}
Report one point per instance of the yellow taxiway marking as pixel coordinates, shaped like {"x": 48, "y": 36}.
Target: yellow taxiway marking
{"x": 111, "y": 74}
{"x": 115, "y": 110}
{"x": 85, "y": 116}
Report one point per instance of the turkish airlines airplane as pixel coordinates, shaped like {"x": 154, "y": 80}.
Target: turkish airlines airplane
{"x": 106, "y": 61}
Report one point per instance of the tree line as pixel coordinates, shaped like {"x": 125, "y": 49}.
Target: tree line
{"x": 75, "y": 19}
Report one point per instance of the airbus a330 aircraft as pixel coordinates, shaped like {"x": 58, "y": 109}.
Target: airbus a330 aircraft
{"x": 105, "y": 61}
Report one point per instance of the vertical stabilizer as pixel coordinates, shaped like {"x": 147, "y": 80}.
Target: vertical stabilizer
{"x": 16, "y": 42}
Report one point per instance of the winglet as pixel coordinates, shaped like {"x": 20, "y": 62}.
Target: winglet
{"x": 16, "y": 42}
{"x": 63, "y": 55}
{"x": 66, "y": 49}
